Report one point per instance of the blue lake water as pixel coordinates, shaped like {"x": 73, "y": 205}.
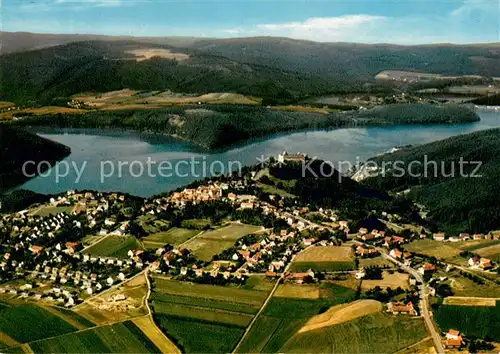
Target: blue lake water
{"x": 99, "y": 154}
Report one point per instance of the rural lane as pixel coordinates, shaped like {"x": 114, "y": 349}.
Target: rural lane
{"x": 436, "y": 337}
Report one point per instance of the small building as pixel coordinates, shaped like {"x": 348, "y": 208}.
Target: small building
{"x": 402, "y": 308}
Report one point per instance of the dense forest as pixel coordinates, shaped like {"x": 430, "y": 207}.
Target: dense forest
{"x": 37, "y": 77}
{"x": 459, "y": 199}
{"x": 275, "y": 69}
{"x": 17, "y": 147}
{"x": 221, "y": 126}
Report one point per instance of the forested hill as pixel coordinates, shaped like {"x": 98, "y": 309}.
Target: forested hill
{"x": 279, "y": 69}
{"x": 458, "y": 202}
{"x": 42, "y": 76}
{"x": 17, "y": 147}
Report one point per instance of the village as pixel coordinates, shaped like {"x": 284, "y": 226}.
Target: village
{"x": 56, "y": 252}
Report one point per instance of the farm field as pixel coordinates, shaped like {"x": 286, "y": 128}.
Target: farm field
{"x": 433, "y": 248}
{"x": 151, "y": 330}
{"x": 124, "y": 337}
{"x": 54, "y": 210}
{"x": 450, "y": 251}
{"x": 214, "y": 242}
{"x": 296, "y": 291}
{"x": 199, "y": 337}
{"x": 462, "y": 286}
{"x": 479, "y": 321}
{"x": 114, "y": 246}
{"x": 204, "y": 318}
{"x": 425, "y": 346}
{"x": 470, "y": 301}
{"x": 129, "y": 98}
{"x": 393, "y": 281}
{"x": 209, "y": 296}
{"x": 71, "y": 317}
{"x": 329, "y": 258}
{"x": 491, "y": 252}
{"x": 27, "y": 322}
{"x": 284, "y": 316}
{"x": 175, "y": 236}
{"x": 342, "y": 313}
{"x": 374, "y": 333}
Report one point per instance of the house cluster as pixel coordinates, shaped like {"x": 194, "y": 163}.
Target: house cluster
{"x": 402, "y": 308}
{"x": 366, "y": 252}
{"x": 205, "y": 193}
{"x": 441, "y": 236}
{"x": 478, "y": 262}
{"x": 364, "y": 235}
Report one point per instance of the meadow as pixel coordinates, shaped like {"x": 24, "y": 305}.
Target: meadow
{"x": 450, "y": 251}
{"x": 324, "y": 259}
{"x": 288, "y": 311}
{"x": 214, "y": 242}
{"x": 114, "y": 246}
{"x": 175, "y": 236}
{"x": 197, "y": 336}
{"x": 203, "y": 318}
{"x": 375, "y": 333}
{"x": 124, "y": 337}
{"x": 27, "y": 322}
{"x": 479, "y": 321}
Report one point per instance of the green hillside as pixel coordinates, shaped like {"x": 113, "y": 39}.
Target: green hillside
{"x": 276, "y": 69}
{"x": 40, "y": 76}
{"x": 458, "y": 202}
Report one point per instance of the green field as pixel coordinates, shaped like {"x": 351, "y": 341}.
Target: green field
{"x": 123, "y": 337}
{"x": 204, "y": 314}
{"x": 378, "y": 333}
{"x": 27, "y": 322}
{"x": 197, "y": 336}
{"x": 54, "y": 210}
{"x": 197, "y": 224}
{"x": 283, "y": 316}
{"x": 322, "y": 266}
{"x": 211, "y": 292}
{"x": 174, "y": 236}
{"x": 269, "y": 333}
{"x": 114, "y": 246}
{"x": 479, "y": 321}
{"x": 206, "y": 303}
{"x": 196, "y": 315}
{"x": 214, "y": 242}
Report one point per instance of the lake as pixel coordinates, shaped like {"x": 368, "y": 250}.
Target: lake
{"x": 145, "y": 165}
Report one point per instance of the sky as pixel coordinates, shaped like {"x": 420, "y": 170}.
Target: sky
{"x": 366, "y": 21}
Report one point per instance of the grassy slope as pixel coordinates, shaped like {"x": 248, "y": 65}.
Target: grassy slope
{"x": 379, "y": 333}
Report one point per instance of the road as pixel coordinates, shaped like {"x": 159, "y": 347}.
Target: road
{"x": 436, "y": 336}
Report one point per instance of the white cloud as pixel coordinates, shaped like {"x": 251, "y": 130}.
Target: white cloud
{"x": 323, "y": 23}
{"x": 95, "y": 3}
